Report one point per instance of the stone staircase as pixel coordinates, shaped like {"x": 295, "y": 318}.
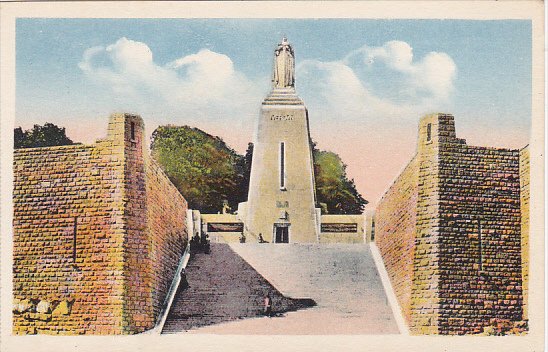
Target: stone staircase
{"x": 223, "y": 287}
{"x": 341, "y": 278}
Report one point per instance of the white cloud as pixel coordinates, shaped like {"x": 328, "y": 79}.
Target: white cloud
{"x": 396, "y": 54}
{"x": 436, "y": 73}
{"x": 378, "y": 83}
{"x": 333, "y": 92}
{"x": 432, "y": 76}
{"x": 202, "y": 85}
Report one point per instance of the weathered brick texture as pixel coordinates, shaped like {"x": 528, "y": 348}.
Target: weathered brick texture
{"x": 480, "y": 250}
{"x": 524, "y": 171}
{"x": 98, "y": 231}
{"x": 467, "y": 254}
{"x": 167, "y": 231}
{"x": 396, "y": 218}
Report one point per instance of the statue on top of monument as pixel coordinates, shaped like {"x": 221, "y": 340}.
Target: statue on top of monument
{"x": 284, "y": 66}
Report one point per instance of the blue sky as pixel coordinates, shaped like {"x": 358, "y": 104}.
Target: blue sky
{"x": 365, "y": 82}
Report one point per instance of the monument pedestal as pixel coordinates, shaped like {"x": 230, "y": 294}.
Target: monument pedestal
{"x": 281, "y": 199}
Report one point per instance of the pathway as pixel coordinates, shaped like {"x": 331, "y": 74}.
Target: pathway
{"x": 223, "y": 287}
{"x": 342, "y": 279}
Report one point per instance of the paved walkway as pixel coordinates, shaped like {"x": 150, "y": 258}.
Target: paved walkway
{"x": 342, "y": 279}
{"x": 223, "y": 287}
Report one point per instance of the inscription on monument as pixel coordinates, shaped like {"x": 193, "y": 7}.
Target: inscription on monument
{"x": 280, "y": 204}
{"x": 225, "y": 227}
{"x": 338, "y": 227}
{"x": 287, "y": 117}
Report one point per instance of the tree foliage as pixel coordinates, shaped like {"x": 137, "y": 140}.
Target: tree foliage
{"x": 41, "y": 136}
{"x": 208, "y": 172}
{"x": 204, "y": 169}
{"x": 246, "y": 169}
{"x": 335, "y": 193}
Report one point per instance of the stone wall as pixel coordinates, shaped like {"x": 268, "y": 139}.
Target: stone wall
{"x": 98, "y": 230}
{"x": 348, "y": 236}
{"x": 395, "y": 225}
{"x": 467, "y": 239}
{"x": 480, "y": 249}
{"x": 369, "y": 225}
{"x": 224, "y": 236}
{"x": 137, "y": 254}
{"x": 167, "y": 228}
{"x": 66, "y": 199}
{"x": 524, "y": 178}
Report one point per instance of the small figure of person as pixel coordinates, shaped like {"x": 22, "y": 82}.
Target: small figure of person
{"x": 268, "y": 305}
{"x": 203, "y": 238}
{"x": 206, "y": 244}
{"x": 261, "y": 239}
{"x": 184, "y": 281}
{"x": 195, "y": 242}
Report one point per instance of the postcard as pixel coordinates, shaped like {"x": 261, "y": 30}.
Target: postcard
{"x": 272, "y": 176}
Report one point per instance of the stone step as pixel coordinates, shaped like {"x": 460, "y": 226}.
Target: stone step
{"x": 223, "y": 287}
{"x": 341, "y": 278}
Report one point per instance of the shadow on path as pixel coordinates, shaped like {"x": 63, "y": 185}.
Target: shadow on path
{"x": 223, "y": 288}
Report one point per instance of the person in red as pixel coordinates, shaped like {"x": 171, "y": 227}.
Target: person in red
{"x": 268, "y": 305}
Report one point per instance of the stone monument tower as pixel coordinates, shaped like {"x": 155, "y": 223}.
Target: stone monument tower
{"x": 281, "y": 199}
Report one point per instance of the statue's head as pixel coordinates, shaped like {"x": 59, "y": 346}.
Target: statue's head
{"x": 284, "y": 46}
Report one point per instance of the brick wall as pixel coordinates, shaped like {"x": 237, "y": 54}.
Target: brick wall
{"x": 94, "y": 244}
{"x": 395, "y": 226}
{"x": 167, "y": 230}
{"x": 424, "y": 294}
{"x": 524, "y": 176}
{"x": 480, "y": 250}
{"x": 137, "y": 254}
{"x": 467, "y": 242}
{"x": 54, "y": 188}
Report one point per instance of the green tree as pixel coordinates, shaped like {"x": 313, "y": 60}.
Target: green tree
{"x": 208, "y": 172}
{"x": 41, "y": 136}
{"x": 19, "y": 138}
{"x": 335, "y": 193}
{"x": 204, "y": 169}
{"x": 244, "y": 167}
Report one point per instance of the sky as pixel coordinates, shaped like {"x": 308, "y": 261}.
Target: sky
{"x": 365, "y": 82}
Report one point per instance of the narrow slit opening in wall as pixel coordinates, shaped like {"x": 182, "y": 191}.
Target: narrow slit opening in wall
{"x": 282, "y": 165}
{"x": 132, "y": 130}
{"x": 429, "y": 132}
{"x": 74, "y": 236}
{"x": 480, "y": 246}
